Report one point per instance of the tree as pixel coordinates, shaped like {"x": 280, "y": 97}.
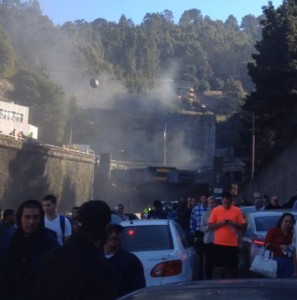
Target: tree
{"x": 235, "y": 94}
{"x": 46, "y": 102}
{"x": 274, "y": 73}
{"x": 7, "y": 56}
{"x": 79, "y": 128}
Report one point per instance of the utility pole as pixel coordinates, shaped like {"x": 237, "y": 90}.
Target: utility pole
{"x": 70, "y": 136}
{"x": 165, "y": 144}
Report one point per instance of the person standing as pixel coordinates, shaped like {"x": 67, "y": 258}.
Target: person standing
{"x": 226, "y": 220}
{"x": 58, "y": 223}
{"x": 295, "y": 250}
{"x": 157, "y": 212}
{"x": 78, "y": 270}
{"x": 184, "y": 214}
{"x": 279, "y": 240}
{"x": 74, "y": 215}
{"x": 208, "y": 238}
{"x": 273, "y": 204}
{"x": 119, "y": 209}
{"x": 7, "y": 224}
{"x": 22, "y": 251}
{"x": 195, "y": 228}
{"x": 292, "y": 203}
{"x": 127, "y": 265}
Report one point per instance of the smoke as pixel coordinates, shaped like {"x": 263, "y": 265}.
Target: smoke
{"x": 128, "y": 135}
{"x": 111, "y": 93}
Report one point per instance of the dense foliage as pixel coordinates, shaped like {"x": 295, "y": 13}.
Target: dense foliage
{"x": 274, "y": 73}
{"x": 37, "y": 55}
{"x": 51, "y": 66}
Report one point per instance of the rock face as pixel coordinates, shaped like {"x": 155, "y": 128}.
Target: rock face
{"x": 29, "y": 170}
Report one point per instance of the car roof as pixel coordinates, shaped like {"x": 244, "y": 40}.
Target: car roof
{"x": 149, "y": 222}
{"x": 243, "y": 289}
{"x": 272, "y": 212}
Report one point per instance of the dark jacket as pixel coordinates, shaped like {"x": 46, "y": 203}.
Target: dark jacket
{"x": 158, "y": 213}
{"x": 184, "y": 217}
{"x": 130, "y": 269}
{"x": 75, "y": 271}
{"x": 6, "y": 231}
{"x": 19, "y": 259}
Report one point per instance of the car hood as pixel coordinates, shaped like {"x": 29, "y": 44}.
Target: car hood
{"x": 258, "y": 289}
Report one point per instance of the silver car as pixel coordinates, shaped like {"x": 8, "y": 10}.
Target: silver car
{"x": 258, "y": 224}
{"x": 163, "y": 250}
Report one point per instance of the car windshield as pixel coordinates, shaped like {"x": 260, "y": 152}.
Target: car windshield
{"x": 147, "y": 238}
{"x": 265, "y": 223}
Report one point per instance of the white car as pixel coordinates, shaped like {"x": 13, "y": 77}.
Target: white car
{"x": 163, "y": 249}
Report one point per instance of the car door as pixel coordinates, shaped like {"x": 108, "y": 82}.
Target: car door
{"x": 191, "y": 255}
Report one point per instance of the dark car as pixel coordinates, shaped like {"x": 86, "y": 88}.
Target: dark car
{"x": 244, "y": 289}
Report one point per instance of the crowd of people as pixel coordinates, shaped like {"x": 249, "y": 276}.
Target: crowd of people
{"x": 45, "y": 255}
{"x": 20, "y": 135}
{"x": 216, "y": 226}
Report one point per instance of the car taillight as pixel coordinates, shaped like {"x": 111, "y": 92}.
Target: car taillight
{"x": 168, "y": 268}
{"x": 257, "y": 242}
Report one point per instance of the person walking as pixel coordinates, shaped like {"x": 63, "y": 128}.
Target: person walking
{"x": 157, "y": 212}
{"x": 197, "y": 233}
{"x": 73, "y": 220}
{"x": 184, "y": 214}
{"x": 7, "y": 224}
{"x": 22, "y": 251}
{"x": 127, "y": 265}
{"x": 226, "y": 220}
{"x": 119, "y": 209}
{"x": 273, "y": 204}
{"x": 58, "y": 223}
{"x": 279, "y": 240}
{"x": 78, "y": 270}
{"x": 208, "y": 238}
{"x": 292, "y": 202}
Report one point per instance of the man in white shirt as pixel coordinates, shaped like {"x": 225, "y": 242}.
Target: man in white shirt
{"x": 58, "y": 223}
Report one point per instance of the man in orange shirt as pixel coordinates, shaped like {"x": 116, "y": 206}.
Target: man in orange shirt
{"x": 226, "y": 220}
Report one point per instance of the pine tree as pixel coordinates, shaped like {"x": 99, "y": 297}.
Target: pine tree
{"x": 274, "y": 73}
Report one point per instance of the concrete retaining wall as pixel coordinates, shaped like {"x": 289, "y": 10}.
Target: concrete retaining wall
{"x": 278, "y": 178}
{"x": 29, "y": 169}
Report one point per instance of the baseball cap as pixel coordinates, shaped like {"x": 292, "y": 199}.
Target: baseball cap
{"x": 93, "y": 217}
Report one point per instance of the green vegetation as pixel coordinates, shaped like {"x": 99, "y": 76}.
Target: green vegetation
{"x": 274, "y": 73}
{"x": 37, "y": 56}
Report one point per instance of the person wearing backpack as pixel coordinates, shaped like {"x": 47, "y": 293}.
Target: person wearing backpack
{"x": 54, "y": 221}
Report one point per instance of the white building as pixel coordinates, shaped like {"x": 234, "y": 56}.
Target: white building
{"x": 14, "y": 116}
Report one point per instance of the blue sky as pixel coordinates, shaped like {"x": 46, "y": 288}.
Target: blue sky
{"x": 61, "y": 11}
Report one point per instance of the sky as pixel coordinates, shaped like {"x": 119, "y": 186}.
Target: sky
{"x": 61, "y": 11}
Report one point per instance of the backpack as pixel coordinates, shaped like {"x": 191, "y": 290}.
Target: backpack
{"x": 62, "y": 225}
